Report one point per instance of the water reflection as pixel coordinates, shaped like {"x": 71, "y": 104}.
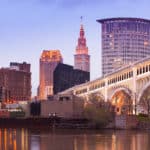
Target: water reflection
{"x": 13, "y": 139}
{"x": 25, "y": 139}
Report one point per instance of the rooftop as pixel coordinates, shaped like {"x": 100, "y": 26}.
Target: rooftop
{"x": 122, "y": 18}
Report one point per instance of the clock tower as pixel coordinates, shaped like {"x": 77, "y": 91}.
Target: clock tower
{"x": 81, "y": 57}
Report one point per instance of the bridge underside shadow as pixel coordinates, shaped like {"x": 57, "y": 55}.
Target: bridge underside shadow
{"x": 122, "y": 101}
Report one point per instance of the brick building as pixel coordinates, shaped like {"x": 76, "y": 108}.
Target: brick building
{"x": 16, "y": 80}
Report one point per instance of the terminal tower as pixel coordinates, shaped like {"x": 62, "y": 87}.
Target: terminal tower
{"x": 81, "y": 57}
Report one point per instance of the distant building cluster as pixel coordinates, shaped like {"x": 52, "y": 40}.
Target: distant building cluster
{"x": 56, "y": 76}
{"x": 124, "y": 41}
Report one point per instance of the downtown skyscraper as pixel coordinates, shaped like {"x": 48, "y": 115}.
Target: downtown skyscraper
{"x": 124, "y": 41}
{"x": 48, "y": 62}
{"x": 81, "y": 57}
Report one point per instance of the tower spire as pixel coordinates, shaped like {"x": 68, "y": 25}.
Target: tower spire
{"x": 81, "y": 40}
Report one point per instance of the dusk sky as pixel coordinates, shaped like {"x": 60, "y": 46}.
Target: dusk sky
{"x": 29, "y": 26}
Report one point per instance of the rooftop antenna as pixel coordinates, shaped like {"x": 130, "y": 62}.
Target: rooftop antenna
{"x": 81, "y": 19}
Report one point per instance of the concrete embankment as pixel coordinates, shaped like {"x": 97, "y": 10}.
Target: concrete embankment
{"x": 120, "y": 122}
{"x": 43, "y": 122}
{"x": 143, "y": 125}
{"x": 126, "y": 122}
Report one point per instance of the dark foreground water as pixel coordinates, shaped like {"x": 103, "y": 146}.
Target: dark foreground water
{"x": 29, "y": 139}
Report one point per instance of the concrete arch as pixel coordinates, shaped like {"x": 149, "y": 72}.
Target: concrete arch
{"x": 122, "y": 100}
{"x": 142, "y": 92}
{"x": 141, "y": 84}
{"x": 126, "y": 90}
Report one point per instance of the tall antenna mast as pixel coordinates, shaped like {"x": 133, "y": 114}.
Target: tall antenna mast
{"x": 81, "y": 19}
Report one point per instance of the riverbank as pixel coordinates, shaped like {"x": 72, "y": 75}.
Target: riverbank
{"x": 44, "y": 122}
{"x": 120, "y": 122}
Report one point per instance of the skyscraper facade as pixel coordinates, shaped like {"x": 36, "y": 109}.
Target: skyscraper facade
{"x": 81, "y": 57}
{"x": 15, "y": 82}
{"x": 48, "y": 62}
{"x": 124, "y": 41}
{"x": 65, "y": 77}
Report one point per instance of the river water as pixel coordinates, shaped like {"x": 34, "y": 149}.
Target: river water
{"x": 36, "y": 139}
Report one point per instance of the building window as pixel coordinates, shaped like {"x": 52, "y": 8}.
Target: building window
{"x": 146, "y": 68}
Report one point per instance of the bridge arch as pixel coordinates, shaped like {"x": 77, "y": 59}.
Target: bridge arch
{"x": 122, "y": 100}
{"x": 139, "y": 96}
{"x": 143, "y": 99}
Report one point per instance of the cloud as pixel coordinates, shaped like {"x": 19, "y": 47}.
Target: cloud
{"x": 73, "y": 4}
{"x": 70, "y": 3}
{"x": 48, "y": 1}
{"x": 77, "y": 3}
{"x": 61, "y": 3}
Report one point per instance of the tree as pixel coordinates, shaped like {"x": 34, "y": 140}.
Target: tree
{"x": 96, "y": 99}
{"x": 99, "y": 117}
{"x": 98, "y": 111}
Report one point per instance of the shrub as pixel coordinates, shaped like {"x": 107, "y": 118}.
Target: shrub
{"x": 97, "y": 115}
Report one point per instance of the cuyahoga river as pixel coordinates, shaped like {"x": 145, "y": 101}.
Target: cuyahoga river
{"x": 47, "y": 139}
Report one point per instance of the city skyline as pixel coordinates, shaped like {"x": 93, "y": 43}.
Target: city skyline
{"x": 30, "y": 26}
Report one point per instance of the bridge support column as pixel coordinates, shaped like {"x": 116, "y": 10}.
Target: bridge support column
{"x": 134, "y": 90}
{"x": 106, "y": 90}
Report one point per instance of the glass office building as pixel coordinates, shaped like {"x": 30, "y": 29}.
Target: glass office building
{"x": 124, "y": 41}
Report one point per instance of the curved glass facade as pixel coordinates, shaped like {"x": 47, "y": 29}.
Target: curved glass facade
{"x": 124, "y": 41}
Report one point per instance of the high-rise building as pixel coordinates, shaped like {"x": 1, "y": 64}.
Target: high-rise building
{"x": 16, "y": 83}
{"x": 124, "y": 41}
{"x": 48, "y": 62}
{"x": 65, "y": 77}
{"x": 20, "y": 66}
{"x": 81, "y": 57}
